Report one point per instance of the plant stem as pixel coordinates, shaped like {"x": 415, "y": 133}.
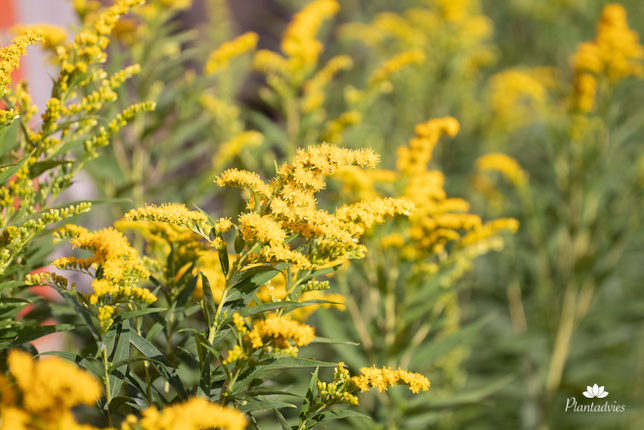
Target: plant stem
{"x": 108, "y": 391}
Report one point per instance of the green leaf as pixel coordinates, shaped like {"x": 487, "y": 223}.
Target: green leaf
{"x": 117, "y": 402}
{"x": 254, "y": 405}
{"x": 15, "y": 336}
{"x": 121, "y": 353}
{"x": 10, "y": 171}
{"x": 282, "y": 420}
{"x": 167, "y": 371}
{"x": 203, "y": 390}
{"x": 42, "y": 166}
{"x": 210, "y": 307}
{"x": 264, "y": 371}
{"x": 432, "y": 351}
{"x": 333, "y": 341}
{"x": 311, "y": 394}
{"x": 11, "y": 284}
{"x": 160, "y": 325}
{"x": 267, "y": 307}
{"x": 91, "y": 366}
{"x": 333, "y": 415}
{"x": 186, "y": 293}
{"x": 140, "y": 312}
{"x": 131, "y": 360}
{"x": 9, "y": 136}
{"x": 268, "y": 391}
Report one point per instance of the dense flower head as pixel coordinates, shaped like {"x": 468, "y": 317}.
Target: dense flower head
{"x": 394, "y": 64}
{"x": 413, "y": 159}
{"x": 243, "y": 179}
{"x": 281, "y": 333}
{"x": 195, "y": 414}
{"x": 118, "y": 268}
{"x": 506, "y": 165}
{"x": 373, "y": 377}
{"x": 172, "y": 213}
{"x": 48, "y": 389}
{"x": 616, "y": 53}
{"x": 10, "y": 55}
{"x": 220, "y": 57}
{"x": 299, "y": 41}
{"x": 54, "y": 35}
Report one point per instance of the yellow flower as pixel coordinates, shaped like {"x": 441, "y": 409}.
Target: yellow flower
{"x": 394, "y": 64}
{"x": 372, "y": 377}
{"x": 54, "y": 35}
{"x": 256, "y": 228}
{"x": 505, "y": 164}
{"x": 299, "y": 41}
{"x": 243, "y": 179}
{"x": 220, "y": 57}
{"x": 49, "y": 389}
{"x": 280, "y": 332}
{"x": 413, "y": 159}
{"x": 195, "y": 414}
{"x": 229, "y": 150}
{"x": 172, "y": 213}
{"x": 10, "y": 55}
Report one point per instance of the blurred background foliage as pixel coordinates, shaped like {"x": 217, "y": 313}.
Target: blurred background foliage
{"x": 546, "y": 137}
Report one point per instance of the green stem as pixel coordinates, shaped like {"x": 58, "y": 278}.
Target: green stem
{"x": 108, "y": 391}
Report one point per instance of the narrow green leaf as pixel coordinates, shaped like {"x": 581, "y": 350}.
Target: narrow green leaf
{"x": 311, "y": 394}
{"x": 42, "y": 166}
{"x": 91, "y": 366}
{"x": 160, "y": 325}
{"x": 167, "y": 371}
{"x": 15, "y": 336}
{"x": 186, "y": 293}
{"x": 333, "y": 341}
{"x": 333, "y": 415}
{"x": 210, "y": 307}
{"x": 267, "y": 307}
{"x": 121, "y": 353}
{"x": 140, "y": 312}
{"x": 282, "y": 420}
{"x": 9, "y": 136}
{"x": 10, "y": 171}
{"x": 204, "y": 381}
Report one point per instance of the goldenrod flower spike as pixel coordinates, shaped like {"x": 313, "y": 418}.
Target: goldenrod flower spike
{"x": 299, "y": 41}
{"x": 372, "y": 377}
{"x": 171, "y": 213}
{"x": 506, "y": 165}
{"x": 54, "y": 35}
{"x": 220, "y": 57}
{"x": 394, "y": 64}
{"x": 615, "y": 53}
{"x": 195, "y": 414}
{"x": 10, "y": 55}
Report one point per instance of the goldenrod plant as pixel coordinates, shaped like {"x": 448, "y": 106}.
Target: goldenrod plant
{"x": 580, "y": 207}
{"x": 261, "y": 267}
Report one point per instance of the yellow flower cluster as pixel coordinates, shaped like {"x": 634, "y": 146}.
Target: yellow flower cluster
{"x": 335, "y": 392}
{"x": 394, "y": 64}
{"x": 299, "y": 41}
{"x": 172, "y": 213}
{"x": 506, "y": 165}
{"x": 10, "y": 55}
{"x": 229, "y": 150}
{"x": 335, "y": 127}
{"x": 382, "y": 378}
{"x": 519, "y": 96}
{"x": 220, "y": 57}
{"x": 276, "y": 291}
{"x": 413, "y": 159}
{"x": 445, "y": 31}
{"x": 54, "y": 35}
{"x": 313, "y": 88}
{"x": 118, "y": 267}
{"x": 615, "y": 53}
{"x": 289, "y": 207}
{"x": 281, "y": 333}
{"x": 44, "y": 393}
{"x": 195, "y": 414}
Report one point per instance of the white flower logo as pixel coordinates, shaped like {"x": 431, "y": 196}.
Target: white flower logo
{"x": 595, "y": 391}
